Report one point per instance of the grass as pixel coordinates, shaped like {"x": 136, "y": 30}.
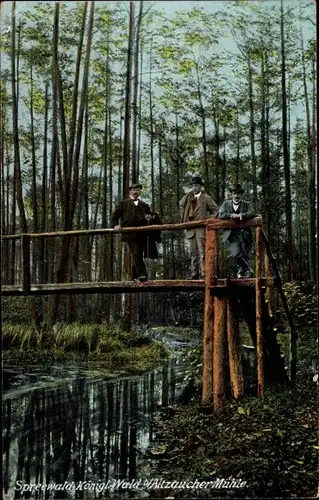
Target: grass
{"x": 129, "y": 352}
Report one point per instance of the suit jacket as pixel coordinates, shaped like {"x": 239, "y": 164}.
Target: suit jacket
{"x": 192, "y": 210}
{"x": 227, "y": 209}
{"x": 131, "y": 216}
{"x": 152, "y": 237}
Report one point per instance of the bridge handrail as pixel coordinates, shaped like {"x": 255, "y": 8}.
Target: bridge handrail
{"x": 212, "y": 223}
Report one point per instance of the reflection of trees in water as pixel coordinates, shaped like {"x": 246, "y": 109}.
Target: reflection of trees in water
{"x": 82, "y": 430}
{"x": 6, "y": 443}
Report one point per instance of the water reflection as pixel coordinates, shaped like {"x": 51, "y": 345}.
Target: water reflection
{"x": 93, "y": 430}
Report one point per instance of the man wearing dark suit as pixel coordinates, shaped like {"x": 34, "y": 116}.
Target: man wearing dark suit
{"x": 134, "y": 212}
{"x": 238, "y": 241}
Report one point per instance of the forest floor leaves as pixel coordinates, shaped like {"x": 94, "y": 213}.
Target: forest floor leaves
{"x": 272, "y": 444}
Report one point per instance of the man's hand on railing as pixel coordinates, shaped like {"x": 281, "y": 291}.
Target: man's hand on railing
{"x": 117, "y": 228}
{"x": 148, "y": 217}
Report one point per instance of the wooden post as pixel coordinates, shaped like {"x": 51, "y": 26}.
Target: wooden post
{"x": 26, "y": 274}
{"x": 259, "y": 338}
{"x": 293, "y": 346}
{"x": 211, "y": 250}
{"x": 235, "y": 365}
{"x": 268, "y": 288}
{"x": 218, "y": 349}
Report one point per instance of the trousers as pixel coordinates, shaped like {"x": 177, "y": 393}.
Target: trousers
{"x": 137, "y": 247}
{"x": 239, "y": 244}
{"x": 197, "y": 251}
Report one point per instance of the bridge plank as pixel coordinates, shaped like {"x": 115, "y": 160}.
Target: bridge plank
{"x": 106, "y": 287}
{"x": 130, "y": 286}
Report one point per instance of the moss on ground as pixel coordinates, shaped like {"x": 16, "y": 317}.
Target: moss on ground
{"x": 129, "y": 352}
{"x": 271, "y": 443}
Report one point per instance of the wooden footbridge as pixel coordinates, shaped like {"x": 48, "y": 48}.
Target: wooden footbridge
{"x": 224, "y": 299}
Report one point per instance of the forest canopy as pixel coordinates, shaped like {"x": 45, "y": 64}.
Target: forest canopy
{"x": 94, "y": 94}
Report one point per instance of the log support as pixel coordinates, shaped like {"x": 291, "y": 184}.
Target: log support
{"x": 259, "y": 338}
{"x": 235, "y": 365}
{"x": 218, "y": 353}
{"x": 210, "y": 269}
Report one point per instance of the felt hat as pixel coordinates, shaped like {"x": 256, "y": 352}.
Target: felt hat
{"x": 237, "y": 188}
{"x": 196, "y": 179}
{"x": 135, "y": 185}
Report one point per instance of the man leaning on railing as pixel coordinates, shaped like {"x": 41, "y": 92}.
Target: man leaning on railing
{"x": 238, "y": 241}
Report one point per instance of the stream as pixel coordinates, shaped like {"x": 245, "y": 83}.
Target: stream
{"x": 84, "y": 432}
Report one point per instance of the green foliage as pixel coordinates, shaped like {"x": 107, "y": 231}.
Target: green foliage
{"x": 303, "y": 302}
{"x": 16, "y": 310}
{"x": 196, "y": 66}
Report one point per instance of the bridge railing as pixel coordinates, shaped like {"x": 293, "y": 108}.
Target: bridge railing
{"x": 26, "y": 256}
{"x": 216, "y": 307}
{"x": 24, "y": 265}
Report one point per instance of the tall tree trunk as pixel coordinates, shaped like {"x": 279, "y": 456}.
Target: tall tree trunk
{"x": 34, "y": 243}
{"x": 76, "y": 87}
{"x": 269, "y": 196}
{"x": 64, "y": 257}
{"x": 103, "y": 270}
{"x": 139, "y": 116}
{"x": 217, "y": 155}
{"x": 290, "y": 240}
{"x": 128, "y": 105}
{"x": 4, "y": 186}
{"x": 44, "y": 192}
{"x": 252, "y": 133}
{"x": 127, "y": 298}
{"x": 203, "y": 117}
{"x": 161, "y": 210}
{"x": 237, "y": 144}
{"x": 86, "y": 219}
{"x": 151, "y": 138}
{"x": 135, "y": 94}
{"x": 224, "y": 174}
{"x": 15, "y": 127}
{"x": 314, "y": 246}
{"x": 263, "y": 132}
{"x": 110, "y": 152}
{"x": 310, "y": 172}
{"x": 177, "y": 160}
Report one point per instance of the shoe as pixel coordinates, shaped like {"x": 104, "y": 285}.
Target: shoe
{"x": 240, "y": 273}
{"x": 141, "y": 278}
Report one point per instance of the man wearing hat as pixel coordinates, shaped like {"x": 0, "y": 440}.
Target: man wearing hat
{"x": 239, "y": 241}
{"x": 197, "y": 205}
{"x": 134, "y": 212}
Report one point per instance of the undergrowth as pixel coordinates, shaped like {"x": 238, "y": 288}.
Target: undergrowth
{"x": 270, "y": 443}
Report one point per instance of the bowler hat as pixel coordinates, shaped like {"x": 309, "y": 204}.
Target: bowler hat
{"x": 196, "y": 179}
{"x": 237, "y": 188}
{"x": 135, "y": 185}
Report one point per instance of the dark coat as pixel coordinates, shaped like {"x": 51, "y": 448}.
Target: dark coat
{"x": 227, "y": 209}
{"x": 152, "y": 238}
{"x": 131, "y": 216}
